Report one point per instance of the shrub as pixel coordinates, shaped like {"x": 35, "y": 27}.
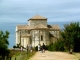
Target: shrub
{"x": 57, "y": 46}
{"x": 50, "y": 47}
{"x": 36, "y": 48}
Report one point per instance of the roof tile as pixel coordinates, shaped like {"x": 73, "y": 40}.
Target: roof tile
{"x": 55, "y": 27}
{"x": 38, "y": 17}
{"x": 20, "y": 27}
{"x": 40, "y": 26}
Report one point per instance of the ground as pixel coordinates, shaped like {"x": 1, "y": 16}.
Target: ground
{"x": 55, "y": 56}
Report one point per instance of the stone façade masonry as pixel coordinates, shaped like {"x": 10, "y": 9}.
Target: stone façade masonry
{"x": 36, "y": 32}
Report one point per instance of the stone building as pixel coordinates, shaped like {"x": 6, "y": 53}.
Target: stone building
{"x": 36, "y": 32}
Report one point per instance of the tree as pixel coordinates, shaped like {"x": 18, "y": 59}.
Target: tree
{"x": 14, "y": 46}
{"x": 71, "y": 36}
{"x": 4, "y": 43}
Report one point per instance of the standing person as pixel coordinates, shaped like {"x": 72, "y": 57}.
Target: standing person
{"x": 30, "y": 48}
{"x": 38, "y": 47}
{"x": 21, "y": 48}
{"x": 27, "y": 47}
{"x": 43, "y": 47}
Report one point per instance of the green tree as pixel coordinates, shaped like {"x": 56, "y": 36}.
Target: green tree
{"x": 71, "y": 36}
{"x": 4, "y": 43}
{"x": 57, "y": 46}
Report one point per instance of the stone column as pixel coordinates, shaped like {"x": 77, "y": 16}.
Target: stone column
{"x": 39, "y": 36}
{"x": 34, "y": 38}
{"x": 22, "y": 41}
{"x": 17, "y": 38}
{"x": 25, "y": 42}
{"x": 58, "y": 34}
{"x": 45, "y": 37}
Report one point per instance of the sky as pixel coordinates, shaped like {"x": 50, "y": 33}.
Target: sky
{"x": 54, "y": 10}
{"x": 13, "y": 12}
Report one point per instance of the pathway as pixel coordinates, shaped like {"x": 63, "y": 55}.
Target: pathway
{"x": 53, "y": 56}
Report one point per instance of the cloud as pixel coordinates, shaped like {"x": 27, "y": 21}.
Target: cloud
{"x": 22, "y": 10}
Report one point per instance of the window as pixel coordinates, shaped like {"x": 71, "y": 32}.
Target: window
{"x": 41, "y": 38}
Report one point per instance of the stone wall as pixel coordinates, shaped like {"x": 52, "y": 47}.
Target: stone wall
{"x": 40, "y": 37}
{"x": 35, "y": 37}
{"x": 47, "y": 37}
{"x": 55, "y": 35}
{"x": 33, "y": 23}
{"x": 17, "y": 37}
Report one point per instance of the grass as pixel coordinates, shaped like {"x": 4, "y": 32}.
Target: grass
{"x": 21, "y": 55}
{"x": 29, "y": 54}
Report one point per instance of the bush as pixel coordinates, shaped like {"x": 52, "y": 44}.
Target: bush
{"x": 57, "y": 46}
{"x": 50, "y": 47}
{"x": 46, "y": 47}
{"x": 36, "y": 48}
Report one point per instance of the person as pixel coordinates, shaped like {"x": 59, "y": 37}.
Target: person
{"x": 21, "y": 48}
{"x": 38, "y": 47}
{"x": 27, "y": 47}
{"x": 30, "y": 48}
{"x": 43, "y": 47}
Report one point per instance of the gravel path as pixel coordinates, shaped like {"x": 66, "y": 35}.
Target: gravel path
{"x": 53, "y": 56}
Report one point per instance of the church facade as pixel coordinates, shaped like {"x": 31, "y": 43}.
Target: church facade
{"x": 36, "y": 32}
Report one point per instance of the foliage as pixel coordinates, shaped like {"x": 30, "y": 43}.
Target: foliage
{"x": 69, "y": 39}
{"x": 14, "y": 46}
{"x": 46, "y": 47}
{"x": 71, "y": 36}
{"x": 14, "y": 52}
{"x": 4, "y": 43}
{"x": 29, "y": 55}
{"x": 50, "y": 47}
{"x": 21, "y": 55}
{"x": 36, "y": 48}
{"x": 57, "y": 46}
{"x": 18, "y": 46}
